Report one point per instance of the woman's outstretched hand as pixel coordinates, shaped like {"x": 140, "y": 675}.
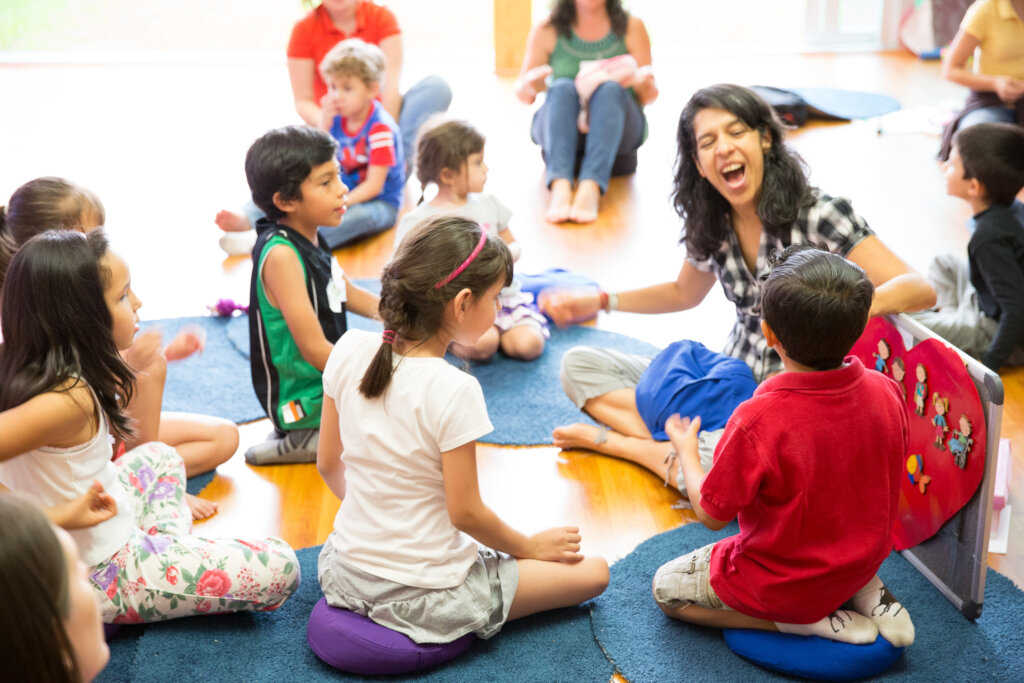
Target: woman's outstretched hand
{"x": 561, "y": 544}
{"x": 569, "y": 306}
{"x": 532, "y": 83}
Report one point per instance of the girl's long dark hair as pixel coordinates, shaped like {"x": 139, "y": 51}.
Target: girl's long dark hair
{"x": 705, "y": 212}
{"x": 42, "y": 203}
{"x": 34, "y": 571}
{"x": 410, "y": 305}
{"x": 57, "y": 328}
{"x": 563, "y": 16}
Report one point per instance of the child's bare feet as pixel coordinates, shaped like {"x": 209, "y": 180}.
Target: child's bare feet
{"x": 579, "y": 435}
{"x": 200, "y": 507}
{"x": 845, "y": 626}
{"x": 229, "y": 221}
{"x": 879, "y": 605}
{"x": 584, "y": 203}
{"x": 561, "y": 200}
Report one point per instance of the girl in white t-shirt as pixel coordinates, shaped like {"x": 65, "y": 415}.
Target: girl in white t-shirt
{"x": 402, "y": 459}
{"x": 450, "y": 155}
{"x": 68, "y": 312}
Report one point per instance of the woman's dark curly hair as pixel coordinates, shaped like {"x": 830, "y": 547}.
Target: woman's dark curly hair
{"x": 563, "y": 16}
{"x": 705, "y": 212}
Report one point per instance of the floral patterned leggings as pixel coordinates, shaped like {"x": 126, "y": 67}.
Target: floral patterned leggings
{"x": 163, "y": 572}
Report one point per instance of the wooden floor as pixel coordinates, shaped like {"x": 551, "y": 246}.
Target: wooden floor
{"x": 163, "y": 146}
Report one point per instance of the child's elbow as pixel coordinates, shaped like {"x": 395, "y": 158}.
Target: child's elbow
{"x": 463, "y": 517}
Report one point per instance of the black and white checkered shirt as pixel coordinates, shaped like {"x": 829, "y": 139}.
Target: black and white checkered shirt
{"x": 829, "y": 220}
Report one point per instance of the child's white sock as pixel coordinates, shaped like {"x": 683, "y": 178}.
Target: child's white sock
{"x": 892, "y": 619}
{"x": 842, "y": 625}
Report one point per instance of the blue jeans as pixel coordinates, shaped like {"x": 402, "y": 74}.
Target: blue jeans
{"x": 616, "y": 127}
{"x": 360, "y": 221}
{"x": 988, "y": 115}
{"x": 430, "y": 96}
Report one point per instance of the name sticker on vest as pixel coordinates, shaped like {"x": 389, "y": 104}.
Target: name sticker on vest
{"x": 336, "y": 293}
{"x": 292, "y": 412}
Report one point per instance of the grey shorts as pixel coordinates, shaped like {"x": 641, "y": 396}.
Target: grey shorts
{"x": 590, "y": 371}
{"x": 686, "y": 581}
{"x": 479, "y": 605}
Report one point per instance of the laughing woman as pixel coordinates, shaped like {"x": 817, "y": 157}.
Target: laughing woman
{"x": 742, "y": 194}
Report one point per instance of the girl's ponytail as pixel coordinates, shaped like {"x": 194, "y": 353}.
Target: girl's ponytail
{"x": 378, "y": 376}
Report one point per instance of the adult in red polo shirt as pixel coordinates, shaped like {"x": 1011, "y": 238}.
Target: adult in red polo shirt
{"x": 312, "y": 37}
{"x": 336, "y": 20}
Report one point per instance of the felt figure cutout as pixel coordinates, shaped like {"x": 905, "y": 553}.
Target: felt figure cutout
{"x": 899, "y": 371}
{"x": 920, "y": 389}
{"x": 960, "y": 442}
{"x": 915, "y": 472}
{"x": 933, "y": 487}
{"x": 941, "y": 406}
{"x": 882, "y": 356}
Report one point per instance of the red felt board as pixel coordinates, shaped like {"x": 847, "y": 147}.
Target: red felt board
{"x": 923, "y": 509}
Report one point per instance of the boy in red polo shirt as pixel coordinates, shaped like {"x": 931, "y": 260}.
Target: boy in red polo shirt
{"x": 809, "y": 546}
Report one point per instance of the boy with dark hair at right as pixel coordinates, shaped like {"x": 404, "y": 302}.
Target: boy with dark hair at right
{"x": 809, "y": 546}
{"x": 980, "y": 306}
{"x": 298, "y": 292}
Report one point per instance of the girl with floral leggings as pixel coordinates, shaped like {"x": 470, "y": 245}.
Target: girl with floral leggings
{"x": 68, "y": 309}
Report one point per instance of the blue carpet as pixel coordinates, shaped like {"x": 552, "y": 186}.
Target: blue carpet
{"x": 525, "y": 399}
{"x": 645, "y": 645}
{"x": 554, "y": 646}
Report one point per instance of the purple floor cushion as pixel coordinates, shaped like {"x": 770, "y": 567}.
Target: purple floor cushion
{"x": 811, "y": 656}
{"x": 354, "y": 643}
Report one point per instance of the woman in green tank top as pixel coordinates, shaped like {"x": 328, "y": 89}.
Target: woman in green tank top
{"x": 594, "y": 60}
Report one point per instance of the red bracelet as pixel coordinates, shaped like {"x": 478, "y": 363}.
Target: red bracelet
{"x": 604, "y": 301}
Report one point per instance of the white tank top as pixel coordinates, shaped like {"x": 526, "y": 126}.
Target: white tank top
{"x": 56, "y": 475}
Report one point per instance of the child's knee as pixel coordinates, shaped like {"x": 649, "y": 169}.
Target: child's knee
{"x": 597, "y": 576}
{"x": 226, "y": 436}
{"x": 524, "y": 342}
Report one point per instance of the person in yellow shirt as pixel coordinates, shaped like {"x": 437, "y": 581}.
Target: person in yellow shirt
{"x": 993, "y": 32}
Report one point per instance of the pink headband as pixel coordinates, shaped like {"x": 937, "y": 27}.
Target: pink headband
{"x": 469, "y": 259}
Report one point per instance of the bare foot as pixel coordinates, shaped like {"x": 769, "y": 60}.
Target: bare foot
{"x": 561, "y": 198}
{"x": 200, "y": 507}
{"x": 578, "y": 435}
{"x": 584, "y": 203}
{"x": 229, "y": 221}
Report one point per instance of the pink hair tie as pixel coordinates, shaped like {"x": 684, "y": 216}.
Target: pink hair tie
{"x": 389, "y": 336}
{"x": 469, "y": 259}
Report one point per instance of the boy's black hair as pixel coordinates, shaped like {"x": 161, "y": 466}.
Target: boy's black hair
{"x": 817, "y": 304}
{"x": 281, "y": 159}
{"x": 994, "y": 154}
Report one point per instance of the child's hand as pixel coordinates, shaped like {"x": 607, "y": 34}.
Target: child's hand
{"x": 189, "y": 340}
{"x": 682, "y": 432}
{"x": 145, "y": 350}
{"x": 89, "y": 509}
{"x": 567, "y": 306}
{"x": 328, "y": 110}
{"x": 561, "y": 544}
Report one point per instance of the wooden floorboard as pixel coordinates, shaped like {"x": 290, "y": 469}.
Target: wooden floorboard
{"x": 163, "y": 146}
